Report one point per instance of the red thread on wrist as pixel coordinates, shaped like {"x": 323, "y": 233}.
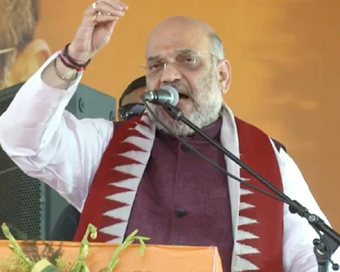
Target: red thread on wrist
{"x": 68, "y": 64}
{"x": 73, "y": 61}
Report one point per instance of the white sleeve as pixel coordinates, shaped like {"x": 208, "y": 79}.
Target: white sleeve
{"x": 49, "y": 143}
{"x": 298, "y": 235}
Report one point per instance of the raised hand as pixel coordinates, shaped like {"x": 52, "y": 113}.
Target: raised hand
{"x": 96, "y": 28}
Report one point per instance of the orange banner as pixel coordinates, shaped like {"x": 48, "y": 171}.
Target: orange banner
{"x": 155, "y": 258}
{"x": 284, "y": 56}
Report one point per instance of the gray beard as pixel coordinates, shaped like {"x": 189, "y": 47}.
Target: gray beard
{"x": 178, "y": 128}
{"x": 207, "y": 105}
{"x": 201, "y": 116}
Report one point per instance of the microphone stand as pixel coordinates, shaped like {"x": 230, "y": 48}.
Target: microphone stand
{"x": 329, "y": 239}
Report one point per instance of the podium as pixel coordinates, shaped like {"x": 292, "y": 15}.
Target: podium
{"x": 156, "y": 258}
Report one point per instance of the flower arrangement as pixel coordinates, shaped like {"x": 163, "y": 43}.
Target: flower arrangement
{"x": 51, "y": 261}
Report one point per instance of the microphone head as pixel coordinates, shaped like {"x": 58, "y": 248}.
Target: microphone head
{"x": 174, "y": 94}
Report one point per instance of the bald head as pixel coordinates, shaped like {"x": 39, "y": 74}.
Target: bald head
{"x": 183, "y": 32}
{"x": 180, "y": 22}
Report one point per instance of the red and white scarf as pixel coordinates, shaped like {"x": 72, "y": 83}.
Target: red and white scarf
{"x": 257, "y": 219}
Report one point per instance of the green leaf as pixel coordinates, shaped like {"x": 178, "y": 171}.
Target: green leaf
{"x": 131, "y": 236}
{"x": 142, "y": 248}
{"x": 126, "y": 244}
{"x": 142, "y": 238}
{"x": 112, "y": 265}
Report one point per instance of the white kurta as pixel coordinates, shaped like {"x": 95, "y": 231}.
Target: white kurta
{"x": 48, "y": 143}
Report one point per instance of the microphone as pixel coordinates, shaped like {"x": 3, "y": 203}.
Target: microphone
{"x": 166, "y": 94}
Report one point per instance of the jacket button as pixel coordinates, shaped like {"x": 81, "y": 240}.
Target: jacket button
{"x": 180, "y": 213}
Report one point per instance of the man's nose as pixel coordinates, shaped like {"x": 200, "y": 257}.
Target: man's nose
{"x": 170, "y": 73}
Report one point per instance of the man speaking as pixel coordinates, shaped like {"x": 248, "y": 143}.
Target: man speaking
{"x": 135, "y": 175}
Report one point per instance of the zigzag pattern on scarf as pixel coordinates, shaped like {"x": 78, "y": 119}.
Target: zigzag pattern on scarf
{"x": 126, "y": 179}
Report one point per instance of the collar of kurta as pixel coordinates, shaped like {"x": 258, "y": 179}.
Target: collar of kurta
{"x": 257, "y": 219}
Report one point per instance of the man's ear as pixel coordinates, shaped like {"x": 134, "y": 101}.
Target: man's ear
{"x": 224, "y": 73}
{"x": 28, "y": 61}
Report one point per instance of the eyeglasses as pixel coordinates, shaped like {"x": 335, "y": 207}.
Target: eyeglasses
{"x": 6, "y": 50}
{"x": 129, "y": 111}
{"x": 182, "y": 62}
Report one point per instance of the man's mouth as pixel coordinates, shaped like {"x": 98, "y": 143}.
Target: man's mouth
{"x": 183, "y": 96}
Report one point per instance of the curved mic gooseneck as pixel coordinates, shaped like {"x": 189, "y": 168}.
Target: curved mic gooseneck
{"x": 329, "y": 239}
